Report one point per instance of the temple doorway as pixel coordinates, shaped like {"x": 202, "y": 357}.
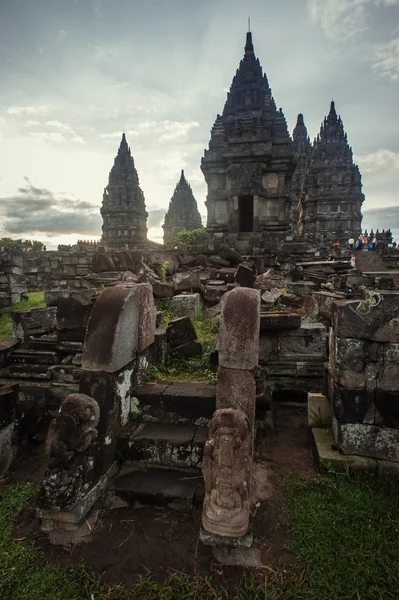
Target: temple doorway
{"x": 246, "y": 213}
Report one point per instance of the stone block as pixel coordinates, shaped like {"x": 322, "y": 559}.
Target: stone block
{"x": 269, "y": 298}
{"x": 52, "y": 296}
{"x": 216, "y": 261}
{"x": 239, "y": 330}
{"x": 367, "y": 440}
{"x": 387, "y": 407}
{"x": 213, "y": 293}
{"x": 112, "y": 332}
{"x": 244, "y": 276}
{"x": 187, "y": 281}
{"x": 327, "y": 456}
{"x": 33, "y": 322}
{"x": 73, "y": 312}
{"x": 236, "y": 389}
{"x": 161, "y": 289}
{"x": 180, "y": 331}
{"x": 186, "y": 305}
{"x": 226, "y": 274}
{"x": 275, "y": 321}
{"x": 302, "y": 288}
{"x": 375, "y": 318}
{"x": 306, "y": 343}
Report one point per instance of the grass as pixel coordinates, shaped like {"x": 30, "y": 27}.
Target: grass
{"x": 344, "y": 532}
{"x": 188, "y": 369}
{"x": 36, "y": 300}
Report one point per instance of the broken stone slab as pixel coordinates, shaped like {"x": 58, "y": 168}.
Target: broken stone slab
{"x": 244, "y": 276}
{"x": 180, "y": 331}
{"x": 214, "y": 293}
{"x": 73, "y": 312}
{"x": 147, "y": 317}
{"x": 226, "y": 275}
{"x": 216, "y": 261}
{"x": 270, "y": 298}
{"x": 239, "y": 330}
{"x": 187, "y": 281}
{"x": 367, "y": 440}
{"x": 52, "y": 296}
{"x": 269, "y": 280}
{"x": 162, "y": 289}
{"x": 374, "y": 318}
{"x": 325, "y": 301}
{"x": 302, "y": 288}
{"x": 186, "y": 305}
{"x": 230, "y": 255}
{"x": 275, "y": 321}
{"x": 33, "y": 322}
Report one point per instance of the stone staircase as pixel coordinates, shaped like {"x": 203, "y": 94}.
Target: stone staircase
{"x": 162, "y": 447}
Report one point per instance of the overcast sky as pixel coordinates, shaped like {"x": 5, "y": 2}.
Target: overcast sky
{"x": 76, "y": 73}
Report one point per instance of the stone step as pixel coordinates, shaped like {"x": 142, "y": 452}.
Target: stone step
{"x": 26, "y": 371}
{"x": 168, "y": 445}
{"x": 34, "y": 357}
{"x": 182, "y": 402}
{"x": 66, "y": 373}
{"x": 160, "y": 487}
{"x": 46, "y": 342}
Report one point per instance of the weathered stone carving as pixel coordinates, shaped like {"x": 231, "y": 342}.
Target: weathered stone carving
{"x": 227, "y": 474}
{"x": 74, "y": 428}
{"x": 72, "y": 472}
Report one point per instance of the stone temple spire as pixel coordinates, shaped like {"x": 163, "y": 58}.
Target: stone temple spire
{"x": 123, "y": 209}
{"x": 182, "y": 214}
{"x": 249, "y": 163}
{"x": 331, "y": 197}
{"x": 302, "y": 147}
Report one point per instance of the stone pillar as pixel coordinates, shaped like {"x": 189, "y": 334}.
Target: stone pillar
{"x": 82, "y": 438}
{"x": 229, "y": 449}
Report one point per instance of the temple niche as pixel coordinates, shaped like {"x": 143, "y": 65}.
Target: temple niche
{"x": 331, "y": 196}
{"x": 123, "y": 209}
{"x": 182, "y": 214}
{"x": 249, "y": 164}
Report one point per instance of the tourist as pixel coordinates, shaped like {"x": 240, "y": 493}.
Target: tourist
{"x": 351, "y": 243}
{"x": 359, "y": 242}
{"x": 374, "y": 242}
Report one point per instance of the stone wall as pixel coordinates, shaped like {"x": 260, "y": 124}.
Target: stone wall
{"x": 12, "y": 280}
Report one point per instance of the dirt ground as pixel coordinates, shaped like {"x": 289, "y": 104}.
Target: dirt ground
{"x": 126, "y": 542}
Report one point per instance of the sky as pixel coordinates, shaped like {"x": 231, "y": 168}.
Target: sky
{"x": 75, "y": 74}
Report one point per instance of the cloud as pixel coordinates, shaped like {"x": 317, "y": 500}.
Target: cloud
{"x": 169, "y": 130}
{"x": 28, "y": 110}
{"x": 38, "y": 210}
{"x": 62, "y": 35}
{"x": 63, "y": 133}
{"x": 385, "y": 59}
{"x": 44, "y": 137}
{"x": 379, "y": 163}
{"x": 32, "y": 123}
{"x": 156, "y": 216}
{"x": 344, "y": 19}
{"x": 104, "y": 52}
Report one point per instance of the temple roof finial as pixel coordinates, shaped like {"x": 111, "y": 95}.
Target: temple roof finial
{"x": 249, "y": 47}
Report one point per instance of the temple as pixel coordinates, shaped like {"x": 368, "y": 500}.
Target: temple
{"x": 182, "y": 214}
{"x": 331, "y": 196}
{"x": 123, "y": 208}
{"x": 249, "y": 164}
{"x": 302, "y": 150}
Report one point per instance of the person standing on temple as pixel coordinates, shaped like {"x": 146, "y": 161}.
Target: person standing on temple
{"x": 374, "y": 242}
{"x": 351, "y": 243}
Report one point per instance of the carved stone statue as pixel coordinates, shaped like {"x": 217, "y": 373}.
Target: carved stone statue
{"x": 74, "y": 428}
{"x": 69, "y": 441}
{"x": 227, "y": 474}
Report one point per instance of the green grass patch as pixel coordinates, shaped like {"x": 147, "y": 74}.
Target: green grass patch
{"x": 36, "y": 300}
{"x": 346, "y": 530}
{"x": 345, "y": 533}
{"x": 188, "y": 369}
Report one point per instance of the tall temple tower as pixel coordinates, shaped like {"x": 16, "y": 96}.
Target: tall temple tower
{"x": 249, "y": 164}
{"x": 123, "y": 208}
{"x": 302, "y": 148}
{"x": 331, "y": 198}
{"x": 182, "y": 214}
